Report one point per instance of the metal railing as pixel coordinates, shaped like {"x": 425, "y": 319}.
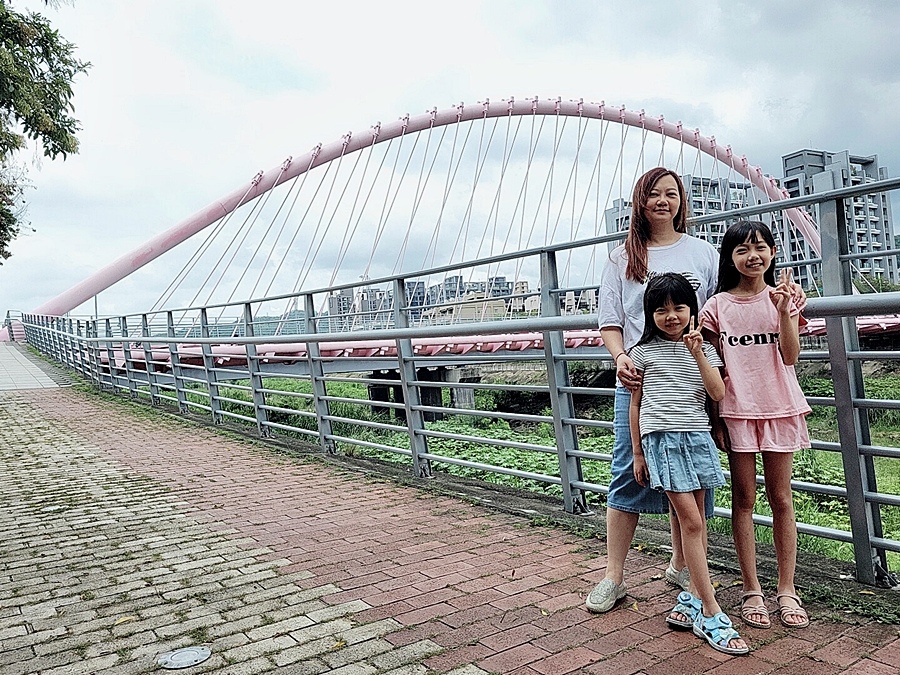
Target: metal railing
{"x": 309, "y": 383}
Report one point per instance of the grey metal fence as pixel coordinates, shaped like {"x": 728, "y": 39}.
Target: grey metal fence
{"x": 395, "y": 392}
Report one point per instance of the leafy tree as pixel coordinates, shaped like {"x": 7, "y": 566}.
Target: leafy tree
{"x": 37, "y": 66}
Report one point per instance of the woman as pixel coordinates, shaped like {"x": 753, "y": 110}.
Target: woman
{"x": 657, "y": 242}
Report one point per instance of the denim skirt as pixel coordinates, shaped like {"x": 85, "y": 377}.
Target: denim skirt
{"x": 682, "y": 461}
{"x": 625, "y": 493}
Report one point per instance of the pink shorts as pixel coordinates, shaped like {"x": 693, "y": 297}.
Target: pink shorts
{"x": 782, "y": 434}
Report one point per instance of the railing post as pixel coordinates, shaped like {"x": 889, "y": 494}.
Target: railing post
{"x": 317, "y": 378}
{"x": 209, "y": 365}
{"x": 147, "y": 346}
{"x": 560, "y": 401}
{"x": 77, "y": 345}
{"x": 39, "y": 334}
{"x": 61, "y": 340}
{"x": 50, "y": 346}
{"x": 130, "y": 378}
{"x": 53, "y": 337}
{"x": 72, "y": 345}
{"x": 107, "y": 327}
{"x": 175, "y": 363}
{"x": 64, "y": 342}
{"x": 415, "y": 420}
{"x": 81, "y": 356}
{"x": 256, "y": 382}
{"x": 89, "y": 351}
{"x": 56, "y": 339}
{"x": 36, "y": 337}
{"x": 49, "y": 340}
{"x": 853, "y": 423}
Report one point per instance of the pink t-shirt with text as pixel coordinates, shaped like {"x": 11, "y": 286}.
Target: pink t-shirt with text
{"x": 757, "y": 384}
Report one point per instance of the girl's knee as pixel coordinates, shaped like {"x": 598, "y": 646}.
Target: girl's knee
{"x": 782, "y": 505}
{"x": 692, "y": 525}
{"x": 743, "y": 500}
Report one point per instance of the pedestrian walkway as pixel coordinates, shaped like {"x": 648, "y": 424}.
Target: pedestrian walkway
{"x": 127, "y": 535}
{"x": 20, "y": 370}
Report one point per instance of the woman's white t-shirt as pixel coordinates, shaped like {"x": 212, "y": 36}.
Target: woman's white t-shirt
{"x": 622, "y": 300}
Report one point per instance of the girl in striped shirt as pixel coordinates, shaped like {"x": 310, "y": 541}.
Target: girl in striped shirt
{"x": 673, "y": 448}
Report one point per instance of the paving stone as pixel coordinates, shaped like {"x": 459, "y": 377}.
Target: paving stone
{"x": 355, "y": 669}
{"x": 335, "y": 611}
{"x": 359, "y": 652}
{"x": 280, "y": 627}
{"x": 401, "y": 656}
{"x": 256, "y": 648}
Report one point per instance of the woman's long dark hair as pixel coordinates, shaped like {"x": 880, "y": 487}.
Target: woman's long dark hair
{"x": 639, "y": 228}
{"x": 742, "y": 231}
{"x": 661, "y": 289}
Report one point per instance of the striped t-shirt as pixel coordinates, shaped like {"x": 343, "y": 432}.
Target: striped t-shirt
{"x": 673, "y": 396}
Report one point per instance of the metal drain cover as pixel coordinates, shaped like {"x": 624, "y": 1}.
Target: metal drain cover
{"x": 183, "y": 658}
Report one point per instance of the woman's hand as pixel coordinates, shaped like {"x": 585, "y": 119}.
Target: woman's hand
{"x": 628, "y": 375}
{"x": 720, "y": 433}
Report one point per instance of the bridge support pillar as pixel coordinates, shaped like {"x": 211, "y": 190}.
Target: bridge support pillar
{"x": 459, "y": 397}
{"x": 379, "y": 392}
{"x": 431, "y": 395}
{"x": 394, "y": 392}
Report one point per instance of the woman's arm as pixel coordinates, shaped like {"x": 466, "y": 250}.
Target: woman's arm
{"x": 641, "y": 475}
{"x": 615, "y": 344}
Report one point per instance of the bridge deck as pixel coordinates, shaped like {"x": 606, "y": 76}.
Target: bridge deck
{"x": 127, "y": 535}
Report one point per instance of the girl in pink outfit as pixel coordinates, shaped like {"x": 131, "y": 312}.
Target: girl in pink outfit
{"x": 755, "y": 324}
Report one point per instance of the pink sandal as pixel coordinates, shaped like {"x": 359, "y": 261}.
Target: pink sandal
{"x": 785, "y": 612}
{"x": 749, "y": 611}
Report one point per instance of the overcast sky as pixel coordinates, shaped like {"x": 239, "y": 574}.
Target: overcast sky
{"x": 187, "y": 99}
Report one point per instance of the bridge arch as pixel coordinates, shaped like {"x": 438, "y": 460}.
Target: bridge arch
{"x": 353, "y": 142}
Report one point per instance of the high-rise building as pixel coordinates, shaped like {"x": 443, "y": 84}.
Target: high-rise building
{"x": 870, "y": 227}
{"x": 340, "y": 307}
{"x": 415, "y": 299}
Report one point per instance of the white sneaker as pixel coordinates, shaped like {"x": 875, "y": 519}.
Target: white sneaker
{"x": 604, "y": 596}
{"x": 679, "y": 578}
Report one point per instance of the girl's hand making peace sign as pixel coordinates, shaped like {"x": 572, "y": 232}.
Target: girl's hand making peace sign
{"x": 693, "y": 339}
{"x": 781, "y": 294}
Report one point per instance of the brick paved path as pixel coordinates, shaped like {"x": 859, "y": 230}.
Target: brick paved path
{"x": 127, "y": 535}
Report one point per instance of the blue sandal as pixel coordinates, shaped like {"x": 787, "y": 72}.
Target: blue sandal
{"x": 687, "y": 605}
{"x": 718, "y": 631}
